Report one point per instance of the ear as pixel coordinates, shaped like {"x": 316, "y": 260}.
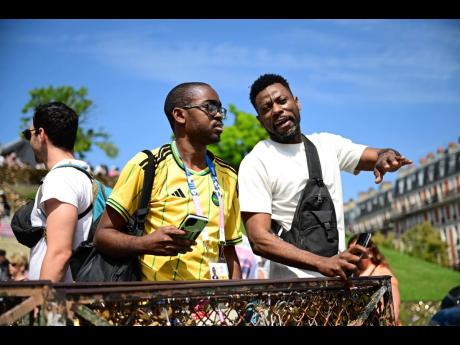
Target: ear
{"x": 179, "y": 115}
{"x": 42, "y": 136}
{"x": 297, "y": 102}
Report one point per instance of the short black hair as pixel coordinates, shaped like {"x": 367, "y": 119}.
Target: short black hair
{"x": 262, "y": 82}
{"x": 179, "y": 96}
{"x": 452, "y": 299}
{"x": 2, "y": 252}
{"x": 60, "y": 123}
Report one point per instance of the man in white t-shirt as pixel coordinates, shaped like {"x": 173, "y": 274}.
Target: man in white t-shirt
{"x": 63, "y": 199}
{"x": 273, "y": 175}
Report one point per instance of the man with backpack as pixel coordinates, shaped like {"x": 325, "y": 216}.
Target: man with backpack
{"x": 64, "y": 199}
{"x": 291, "y": 192}
{"x": 190, "y": 183}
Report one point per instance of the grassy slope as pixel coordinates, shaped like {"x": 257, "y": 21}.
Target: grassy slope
{"x": 418, "y": 279}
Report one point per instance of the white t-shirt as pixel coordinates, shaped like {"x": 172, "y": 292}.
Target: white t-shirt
{"x": 70, "y": 186}
{"x": 272, "y": 176}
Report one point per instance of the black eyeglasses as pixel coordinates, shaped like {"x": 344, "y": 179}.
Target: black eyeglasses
{"x": 209, "y": 108}
{"x": 27, "y": 133}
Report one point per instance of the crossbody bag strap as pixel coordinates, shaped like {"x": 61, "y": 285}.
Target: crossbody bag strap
{"x": 149, "y": 177}
{"x": 314, "y": 165}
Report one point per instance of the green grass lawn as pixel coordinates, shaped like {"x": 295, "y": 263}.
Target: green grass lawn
{"x": 420, "y": 280}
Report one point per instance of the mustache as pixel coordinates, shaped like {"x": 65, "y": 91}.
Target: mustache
{"x": 283, "y": 118}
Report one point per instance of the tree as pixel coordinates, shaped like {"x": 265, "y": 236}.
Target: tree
{"x": 76, "y": 99}
{"x": 425, "y": 242}
{"x": 238, "y": 139}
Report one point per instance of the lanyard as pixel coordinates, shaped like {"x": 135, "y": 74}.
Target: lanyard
{"x": 196, "y": 200}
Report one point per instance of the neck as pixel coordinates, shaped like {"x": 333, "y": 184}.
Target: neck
{"x": 193, "y": 155}
{"x": 55, "y": 155}
{"x": 293, "y": 139}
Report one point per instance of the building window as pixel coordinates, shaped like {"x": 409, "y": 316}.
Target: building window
{"x": 409, "y": 182}
{"x": 431, "y": 173}
{"x": 420, "y": 176}
{"x": 451, "y": 164}
{"x": 401, "y": 186}
{"x": 442, "y": 168}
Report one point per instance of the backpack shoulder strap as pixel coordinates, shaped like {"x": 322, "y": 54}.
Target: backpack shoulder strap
{"x": 90, "y": 176}
{"x": 314, "y": 165}
{"x": 149, "y": 177}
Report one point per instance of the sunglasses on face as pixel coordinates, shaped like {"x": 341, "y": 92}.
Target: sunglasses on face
{"x": 210, "y": 108}
{"x": 27, "y": 133}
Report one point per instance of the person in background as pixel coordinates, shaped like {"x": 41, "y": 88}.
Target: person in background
{"x": 375, "y": 264}
{"x": 64, "y": 199}
{"x": 248, "y": 261}
{"x": 449, "y": 314}
{"x": 5, "y": 207}
{"x": 18, "y": 267}
{"x": 4, "y": 263}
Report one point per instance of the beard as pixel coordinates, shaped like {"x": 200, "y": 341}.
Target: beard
{"x": 285, "y": 137}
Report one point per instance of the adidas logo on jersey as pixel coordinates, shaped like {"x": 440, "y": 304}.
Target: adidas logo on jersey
{"x": 179, "y": 193}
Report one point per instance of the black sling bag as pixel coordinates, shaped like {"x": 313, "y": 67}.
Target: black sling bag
{"x": 314, "y": 226}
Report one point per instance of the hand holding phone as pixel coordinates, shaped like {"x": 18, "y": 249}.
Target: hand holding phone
{"x": 193, "y": 224}
{"x": 363, "y": 240}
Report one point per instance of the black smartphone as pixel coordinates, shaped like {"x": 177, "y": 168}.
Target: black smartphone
{"x": 193, "y": 224}
{"x": 363, "y": 239}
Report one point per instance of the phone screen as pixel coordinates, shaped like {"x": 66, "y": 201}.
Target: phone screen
{"x": 193, "y": 224}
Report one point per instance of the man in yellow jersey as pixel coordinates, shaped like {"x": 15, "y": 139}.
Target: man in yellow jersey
{"x": 188, "y": 180}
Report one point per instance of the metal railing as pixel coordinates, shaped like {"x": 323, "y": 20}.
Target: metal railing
{"x": 294, "y": 302}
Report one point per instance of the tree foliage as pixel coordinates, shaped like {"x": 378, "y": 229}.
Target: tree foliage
{"x": 425, "y": 242}
{"x": 238, "y": 139}
{"x": 76, "y": 99}
{"x": 387, "y": 240}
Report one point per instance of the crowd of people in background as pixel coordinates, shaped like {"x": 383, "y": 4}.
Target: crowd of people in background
{"x": 11, "y": 160}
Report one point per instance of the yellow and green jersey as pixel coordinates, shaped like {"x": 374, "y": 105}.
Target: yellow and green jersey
{"x": 170, "y": 203}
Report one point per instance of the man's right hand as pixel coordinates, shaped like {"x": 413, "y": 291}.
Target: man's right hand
{"x": 166, "y": 241}
{"x": 342, "y": 264}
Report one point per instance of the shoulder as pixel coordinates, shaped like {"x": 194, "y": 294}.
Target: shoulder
{"x": 383, "y": 270}
{"x": 68, "y": 174}
{"x": 259, "y": 153}
{"x": 325, "y": 138}
{"x": 224, "y": 167}
{"x": 140, "y": 158}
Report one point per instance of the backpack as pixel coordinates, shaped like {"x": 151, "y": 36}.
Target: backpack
{"x": 29, "y": 235}
{"x": 314, "y": 226}
{"x": 90, "y": 265}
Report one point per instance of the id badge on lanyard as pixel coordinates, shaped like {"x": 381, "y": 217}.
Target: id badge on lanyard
{"x": 219, "y": 269}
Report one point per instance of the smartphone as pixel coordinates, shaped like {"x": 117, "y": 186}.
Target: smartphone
{"x": 363, "y": 239}
{"x": 193, "y": 224}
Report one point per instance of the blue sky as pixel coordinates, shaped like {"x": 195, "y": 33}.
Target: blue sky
{"x": 383, "y": 83}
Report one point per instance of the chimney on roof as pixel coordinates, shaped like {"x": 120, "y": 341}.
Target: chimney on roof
{"x": 440, "y": 152}
{"x": 429, "y": 157}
